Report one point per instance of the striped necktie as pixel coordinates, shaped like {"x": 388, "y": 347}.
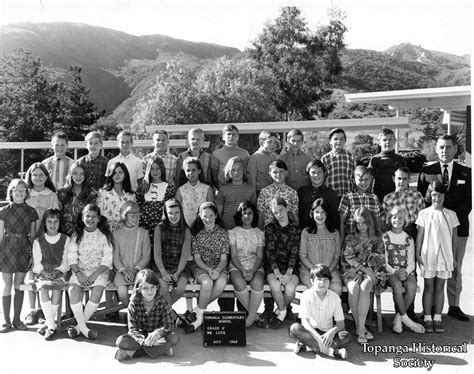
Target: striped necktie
{"x": 445, "y": 176}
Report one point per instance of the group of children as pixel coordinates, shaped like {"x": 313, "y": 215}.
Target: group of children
{"x": 283, "y": 219}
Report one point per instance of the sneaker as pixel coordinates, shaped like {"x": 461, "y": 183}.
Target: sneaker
{"x": 299, "y": 347}
{"x": 122, "y": 354}
{"x": 340, "y": 353}
{"x": 361, "y": 339}
{"x": 262, "y": 322}
{"x": 7, "y": 326}
{"x": 438, "y": 326}
{"x": 72, "y": 332}
{"x": 429, "y": 326}
{"x": 19, "y": 326}
{"x": 49, "y": 334}
{"x": 189, "y": 329}
{"x": 31, "y": 318}
{"x": 40, "y": 316}
{"x": 181, "y": 322}
{"x": 169, "y": 352}
{"x": 190, "y": 316}
{"x": 368, "y": 335}
{"x": 42, "y": 330}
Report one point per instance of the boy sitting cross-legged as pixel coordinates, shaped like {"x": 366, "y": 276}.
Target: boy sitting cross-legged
{"x": 322, "y": 318}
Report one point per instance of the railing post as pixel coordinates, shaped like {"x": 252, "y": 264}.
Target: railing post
{"x": 22, "y": 162}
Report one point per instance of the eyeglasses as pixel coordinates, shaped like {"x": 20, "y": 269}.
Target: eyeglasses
{"x": 19, "y": 190}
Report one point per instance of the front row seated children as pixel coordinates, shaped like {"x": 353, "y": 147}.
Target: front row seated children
{"x": 321, "y": 244}
{"x": 322, "y": 318}
{"x": 131, "y": 249}
{"x": 435, "y": 242}
{"x": 90, "y": 259}
{"x": 210, "y": 248}
{"x": 150, "y": 322}
{"x": 400, "y": 267}
{"x": 246, "y": 249}
{"x": 50, "y": 266}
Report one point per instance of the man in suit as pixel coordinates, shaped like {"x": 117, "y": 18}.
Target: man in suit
{"x": 457, "y": 179}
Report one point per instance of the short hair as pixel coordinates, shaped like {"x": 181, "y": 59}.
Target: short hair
{"x": 229, "y": 127}
{"x": 320, "y": 271}
{"x": 437, "y": 186}
{"x": 192, "y": 160}
{"x": 295, "y": 132}
{"x": 265, "y": 135}
{"x": 123, "y": 133}
{"x": 228, "y": 168}
{"x": 128, "y": 206}
{"x": 161, "y": 132}
{"x": 243, "y": 206}
{"x": 14, "y": 184}
{"x": 368, "y": 217}
{"x": 278, "y": 164}
{"x": 386, "y": 131}
{"x": 447, "y": 137}
{"x": 316, "y": 163}
{"x": 49, "y": 213}
{"x": 337, "y": 130}
{"x": 60, "y": 135}
{"x": 361, "y": 170}
{"x": 278, "y": 201}
{"x": 94, "y": 134}
{"x": 402, "y": 209}
{"x": 403, "y": 169}
{"x": 196, "y": 130}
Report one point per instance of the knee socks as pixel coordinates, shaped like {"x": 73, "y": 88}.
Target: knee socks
{"x": 89, "y": 310}
{"x": 17, "y": 305}
{"x": 79, "y": 316}
{"x": 49, "y": 315}
{"x": 6, "y": 303}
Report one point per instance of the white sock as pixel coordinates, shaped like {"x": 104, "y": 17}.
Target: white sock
{"x": 427, "y": 317}
{"x": 79, "y": 316}
{"x": 55, "y": 310}
{"x": 281, "y": 315}
{"x": 437, "y": 317}
{"x": 89, "y": 310}
{"x": 49, "y": 315}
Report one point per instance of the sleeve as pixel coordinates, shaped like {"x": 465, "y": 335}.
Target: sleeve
{"x": 118, "y": 265}
{"x": 214, "y": 162}
{"x": 260, "y": 238}
{"x": 389, "y": 269}
{"x": 378, "y": 211}
{"x": 166, "y": 316}
{"x": 294, "y": 245}
{"x": 196, "y": 245}
{"x": 270, "y": 247}
{"x": 411, "y": 256}
{"x": 453, "y": 218}
{"x": 64, "y": 267}
{"x": 134, "y": 329}
{"x": 337, "y": 241}
{"x": 220, "y": 198}
{"x": 350, "y": 253}
{"x": 33, "y": 215}
{"x": 232, "y": 238}
{"x": 145, "y": 257}
{"x": 224, "y": 242}
{"x": 139, "y": 167}
{"x": 252, "y": 171}
{"x": 420, "y": 220}
{"x": 304, "y": 243}
{"x": 304, "y": 310}
{"x": 55, "y": 201}
{"x": 293, "y": 203}
{"x": 344, "y": 205}
{"x": 72, "y": 252}
{"x": 100, "y": 200}
{"x": 37, "y": 257}
{"x": 107, "y": 253}
{"x": 338, "y": 313}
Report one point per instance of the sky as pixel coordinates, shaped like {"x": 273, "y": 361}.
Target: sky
{"x": 442, "y": 25}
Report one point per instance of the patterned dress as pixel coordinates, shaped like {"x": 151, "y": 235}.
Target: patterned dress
{"x": 246, "y": 241}
{"x": 109, "y": 203}
{"x": 210, "y": 245}
{"x": 71, "y": 206}
{"x": 192, "y": 197}
{"x": 397, "y": 253}
{"x": 151, "y": 206}
{"x": 15, "y": 250}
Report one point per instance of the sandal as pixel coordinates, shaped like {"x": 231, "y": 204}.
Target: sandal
{"x": 368, "y": 335}
{"x": 361, "y": 339}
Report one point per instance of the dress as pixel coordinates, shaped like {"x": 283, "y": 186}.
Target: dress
{"x": 210, "y": 245}
{"x": 109, "y": 203}
{"x": 282, "y": 245}
{"x": 399, "y": 251}
{"x": 152, "y": 203}
{"x": 192, "y": 197}
{"x": 15, "y": 250}
{"x": 43, "y": 200}
{"x": 71, "y": 206}
{"x": 172, "y": 239}
{"x": 246, "y": 242}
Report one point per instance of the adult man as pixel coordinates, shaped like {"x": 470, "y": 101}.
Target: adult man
{"x": 457, "y": 179}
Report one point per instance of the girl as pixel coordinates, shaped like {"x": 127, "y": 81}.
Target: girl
{"x": 150, "y": 322}
{"x": 246, "y": 250}
{"x": 90, "y": 259}
{"x": 437, "y": 236}
{"x": 74, "y": 196}
{"x": 233, "y": 192}
{"x": 362, "y": 269}
{"x": 210, "y": 247}
{"x": 50, "y": 265}
{"x": 282, "y": 239}
{"x": 193, "y": 193}
{"x": 400, "y": 267}
{"x": 172, "y": 250}
{"x": 117, "y": 189}
{"x": 131, "y": 249}
{"x": 321, "y": 244}
{"x": 155, "y": 192}
{"x": 17, "y": 227}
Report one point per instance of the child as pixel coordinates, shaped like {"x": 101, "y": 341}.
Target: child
{"x": 132, "y": 162}
{"x": 90, "y": 259}
{"x": 400, "y": 267}
{"x": 116, "y": 191}
{"x": 340, "y": 164}
{"x": 351, "y": 201}
{"x": 172, "y": 250}
{"x": 296, "y": 160}
{"x": 74, "y": 196}
{"x": 246, "y": 249}
{"x": 131, "y": 249}
{"x": 50, "y": 265}
{"x": 210, "y": 248}
{"x": 322, "y": 318}
{"x": 58, "y": 165}
{"x": 233, "y": 192}
{"x": 194, "y": 139}
{"x": 150, "y": 322}
{"x": 282, "y": 240}
{"x": 278, "y": 188}
{"x": 257, "y": 168}
{"x": 17, "y": 227}
{"x": 155, "y": 191}
{"x": 194, "y": 192}
{"x": 94, "y": 164}
{"x": 161, "y": 142}
{"x": 362, "y": 269}
{"x": 436, "y": 239}
{"x": 384, "y": 164}
{"x": 317, "y": 189}
{"x": 321, "y": 244}
{"x": 230, "y": 135}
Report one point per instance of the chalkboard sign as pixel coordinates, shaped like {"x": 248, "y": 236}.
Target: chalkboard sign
{"x": 224, "y": 329}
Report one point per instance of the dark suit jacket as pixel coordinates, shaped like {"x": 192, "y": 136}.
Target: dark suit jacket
{"x": 459, "y": 193}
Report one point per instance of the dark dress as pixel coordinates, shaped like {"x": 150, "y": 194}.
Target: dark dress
{"x": 152, "y": 211}
{"x": 72, "y": 205}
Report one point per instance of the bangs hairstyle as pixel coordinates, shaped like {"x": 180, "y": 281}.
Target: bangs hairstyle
{"x": 173, "y": 203}
{"x": 278, "y": 164}
{"x": 243, "y": 206}
{"x": 385, "y": 132}
{"x": 94, "y": 135}
{"x": 361, "y": 170}
{"x": 38, "y": 165}
{"x": 230, "y": 128}
{"x": 147, "y": 179}
{"x": 295, "y": 132}
{"x": 331, "y": 221}
{"x": 109, "y": 181}
{"x": 437, "y": 186}
{"x": 49, "y": 213}
{"x": 199, "y": 225}
{"x": 13, "y": 185}
{"x": 128, "y": 207}
{"x": 70, "y": 181}
{"x": 66, "y": 193}
{"x": 228, "y": 168}
{"x": 103, "y": 224}
{"x": 278, "y": 201}
{"x": 318, "y": 164}
{"x": 320, "y": 271}
{"x": 335, "y": 131}
{"x": 145, "y": 276}
{"x": 398, "y": 210}
{"x": 364, "y": 213}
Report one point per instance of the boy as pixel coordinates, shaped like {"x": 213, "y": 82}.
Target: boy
{"x": 322, "y": 318}
{"x": 94, "y": 164}
{"x": 132, "y": 162}
{"x": 353, "y": 200}
{"x": 384, "y": 164}
{"x": 257, "y": 168}
{"x": 340, "y": 164}
{"x": 161, "y": 142}
{"x": 296, "y": 160}
{"x": 219, "y": 158}
{"x": 58, "y": 165}
{"x": 195, "y": 139}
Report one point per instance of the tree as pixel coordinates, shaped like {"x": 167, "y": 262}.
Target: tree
{"x": 304, "y": 63}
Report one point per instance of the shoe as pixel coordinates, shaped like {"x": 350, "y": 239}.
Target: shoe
{"x": 416, "y": 327}
{"x": 42, "y": 330}
{"x": 189, "y": 329}
{"x": 72, "y": 332}
{"x": 31, "y": 318}
{"x": 181, "y": 322}
{"x": 361, "y": 339}
{"x": 169, "y": 352}
{"x": 7, "y": 326}
{"x": 190, "y": 316}
{"x": 429, "y": 326}
{"x": 438, "y": 326}
{"x": 40, "y": 316}
{"x": 299, "y": 347}
{"x": 122, "y": 354}
{"x": 456, "y": 312}
{"x": 262, "y": 322}
{"x": 49, "y": 334}
{"x": 368, "y": 335}
{"x": 92, "y": 334}
{"x": 276, "y": 323}
{"x": 340, "y": 353}
{"x": 397, "y": 324}
{"x": 291, "y": 317}
{"x": 19, "y": 326}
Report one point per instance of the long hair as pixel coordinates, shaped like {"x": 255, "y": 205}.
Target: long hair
{"x": 38, "y": 165}
{"x": 50, "y": 213}
{"x": 199, "y": 225}
{"x": 147, "y": 179}
{"x": 243, "y": 206}
{"x": 103, "y": 225}
{"x": 331, "y": 218}
{"x": 109, "y": 181}
{"x": 228, "y": 169}
{"x": 145, "y": 276}
{"x": 67, "y": 193}
{"x": 364, "y": 213}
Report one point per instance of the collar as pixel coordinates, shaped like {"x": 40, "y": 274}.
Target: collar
{"x": 155, "y": 152}
{"x": 44, "y": 192}
{"x": 127, "y": 157}
{"x": 190, "y": 153}
{"x": 450, "y": 165}
{"x": 337, "y": 153}
{"x": 297, "y": 153}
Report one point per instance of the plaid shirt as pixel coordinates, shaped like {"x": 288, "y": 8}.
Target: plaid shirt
{"x": 95, "y": 169}
{"x": 271, "y": 191}
{"x": 340, "y": 169}
{"x": 353, "y": 200}
{"x": 141, "y": 323}
{"x": 412, "y": 199}
{"x": 170, "y": 164}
